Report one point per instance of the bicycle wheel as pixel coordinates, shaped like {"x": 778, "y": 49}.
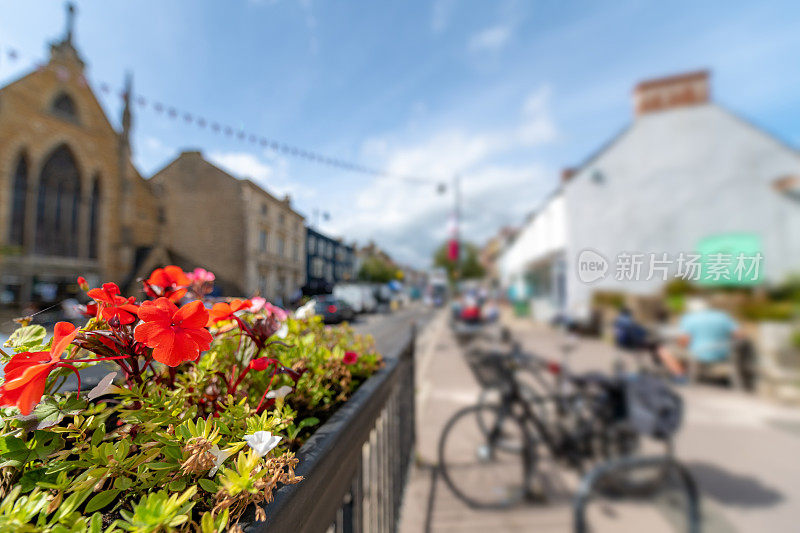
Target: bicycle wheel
{"x": 620, "y": 441}
{"x": 476, "y": 466}
{"x": 491, "y": 396}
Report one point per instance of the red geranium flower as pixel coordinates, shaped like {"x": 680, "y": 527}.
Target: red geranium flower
{"x": 111, "y": 304}
{"x": 26, "y": 373}
{"x": 225, "y": 310}
{"x": 168, "y": 282}
{"x": 350, "y": 358}
{"x": 176, "y": 335}
{"x": 91, "y": 309}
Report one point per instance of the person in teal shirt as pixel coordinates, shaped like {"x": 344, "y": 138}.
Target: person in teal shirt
{"x": 707, "y": 333}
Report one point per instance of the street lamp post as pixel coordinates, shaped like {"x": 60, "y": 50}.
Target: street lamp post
{"x": 456, "y": 237}
{"x": 457, "y": 211}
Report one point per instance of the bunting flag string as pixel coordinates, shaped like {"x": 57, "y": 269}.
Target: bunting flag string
{"x": 237, "y": 133}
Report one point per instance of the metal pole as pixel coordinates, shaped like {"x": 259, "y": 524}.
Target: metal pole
{"x": 457, "y": 198}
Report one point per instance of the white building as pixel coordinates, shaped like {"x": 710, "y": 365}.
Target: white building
{"x": 684, "y": 173}
{"x": 534, "y": 263}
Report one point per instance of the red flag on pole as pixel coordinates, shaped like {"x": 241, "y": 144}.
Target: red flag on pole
{"x": 452, "y": 250}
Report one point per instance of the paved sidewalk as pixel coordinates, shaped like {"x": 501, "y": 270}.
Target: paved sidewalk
{"x": 743, "y": 452}
{"x": 444, "y": 385}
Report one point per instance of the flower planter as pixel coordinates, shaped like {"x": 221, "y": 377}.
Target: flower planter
{"x": 354, "y": 466}
{"x": 211, "y": 400}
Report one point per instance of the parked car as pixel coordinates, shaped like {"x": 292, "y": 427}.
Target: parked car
{"x": 358, "y": 295}
{"x": 333, "y": 310}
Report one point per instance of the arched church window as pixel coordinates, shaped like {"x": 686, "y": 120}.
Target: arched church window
{"x": 64, "y": 106}
{"x": 19, "y": 195}
{"x": 58, "y": 204}
{"x": 94, "y": 219}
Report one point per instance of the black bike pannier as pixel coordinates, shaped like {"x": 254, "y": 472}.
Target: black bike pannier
{"x": 653, "y": 407}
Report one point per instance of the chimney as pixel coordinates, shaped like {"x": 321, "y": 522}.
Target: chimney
{"x": 681, "y": 90}
{"x": 566, "y": 174}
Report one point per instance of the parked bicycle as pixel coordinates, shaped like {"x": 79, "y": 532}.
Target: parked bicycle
{"x": 489, "y": 452}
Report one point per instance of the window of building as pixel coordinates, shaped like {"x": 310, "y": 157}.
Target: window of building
{"x": 19, "y": 195}
{"x": 262, "y": 240}
{"x": 262, "y": 285}
{"x": 296, "y": 253}
{"x": 64, "y": 107}
{"x": 310, "y": 245}
{"x": 281, "y": 219}
{"x": 263, "y": 209}
{"x": 57, "y": 205}
{"x": 280, "y": 246}
{"x": 94, "y": 219}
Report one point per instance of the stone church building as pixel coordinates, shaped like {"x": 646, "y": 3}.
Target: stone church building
{"x": 73, "y": 204}
{"x": 71, "y": 201}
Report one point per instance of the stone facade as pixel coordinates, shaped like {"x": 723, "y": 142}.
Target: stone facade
{"x": 71, "y": 202}
{"x": 275, "y": 237}
{"x": 252, "y": 241}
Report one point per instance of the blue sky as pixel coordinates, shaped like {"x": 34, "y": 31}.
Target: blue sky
{"x": 504, "y": 93}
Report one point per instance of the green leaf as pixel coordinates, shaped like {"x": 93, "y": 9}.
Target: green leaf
{"x": 32, "y": 477}
{"x": 307, "y": 422}
{"x": 96, "y": 525}
{"x": 59, "y": 466}
{"x": 51, "y": 410}
{"x": 123, "y": 483}
{"x": 101, "y": 500}
{"x": 160, "y": 466}
{"x": 42, "y": 445}
{"x": 208, "y": 485}
{"x": 178, "y": 485}
{"x": 99, "y": 433}
{"x": 173, "y": 452}
{"x": 70, "y": 504}
{"x": 27, "y": 337}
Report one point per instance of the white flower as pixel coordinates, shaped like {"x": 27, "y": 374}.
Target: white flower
{"x": 306, "y": 311}
{"x": 105, "y": 386}
{"x": 283, "y": 331}
{"x": 280, "y": 393}
{"x": 262, "y": 442}
{"x": 220, "y": 457}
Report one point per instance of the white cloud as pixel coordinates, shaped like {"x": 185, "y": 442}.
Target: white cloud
{"x": 537, "y": 126}
{"x": 441, "y": 14}
{"x": 151, "y": 154}
{"x": 410, "y": 219}
{"x": 243, "y": 165}
{"x": 492, "y": 38}
{"x": 270, "y": 172}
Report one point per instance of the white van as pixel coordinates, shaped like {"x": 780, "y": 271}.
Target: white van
{"x": 358, "y": 295}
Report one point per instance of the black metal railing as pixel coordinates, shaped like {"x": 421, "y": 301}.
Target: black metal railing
{"x": 356, "y": 464}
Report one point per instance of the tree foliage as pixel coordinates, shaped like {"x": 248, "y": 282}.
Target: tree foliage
{"x": 470, "y": 266}
{"x": 376, "y": 269}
